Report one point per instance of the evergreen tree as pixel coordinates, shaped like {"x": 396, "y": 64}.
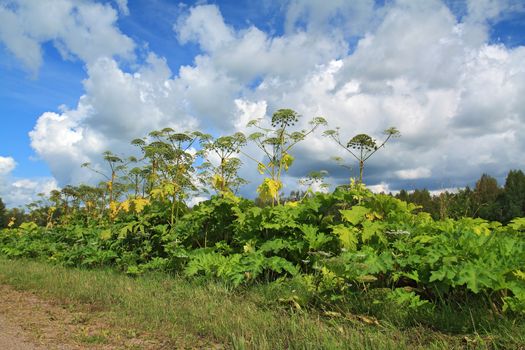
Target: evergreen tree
{"x": 487, "y": 195}
{"x": 461, "y": 204}
{"x": 513, "y": 202}
{"x": 3, "y": 214}
{"x": 403, "y": 195}
{"x": 425, "y": 200}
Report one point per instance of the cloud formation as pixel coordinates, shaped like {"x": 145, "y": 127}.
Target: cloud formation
{"x": 19, "y": 192}
{"x": 7, "y": 164}
{"x": 80, "y": 29}
{"x": 455, "y": 96}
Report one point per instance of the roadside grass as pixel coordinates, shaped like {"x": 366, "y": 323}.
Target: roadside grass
{"x": 188, "y": 314}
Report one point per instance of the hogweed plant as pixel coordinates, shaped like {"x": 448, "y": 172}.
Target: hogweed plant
{"x": 221, "y": 164}
{"x": 117, "y": 167}
{"x": 276, "y": 143}
{"x": 171, "y": 157}
{"x": 361, "y": 146}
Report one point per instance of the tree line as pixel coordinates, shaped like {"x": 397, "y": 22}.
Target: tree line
{"x": 487, "y": 200}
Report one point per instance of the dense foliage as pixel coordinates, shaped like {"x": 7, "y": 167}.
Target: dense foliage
{"x": 320, "y": 249}
{"x": 330, "y": 247}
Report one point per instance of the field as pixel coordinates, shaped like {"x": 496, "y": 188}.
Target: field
{"x": 177, "y": 313}
{"x": 350, "y": 269}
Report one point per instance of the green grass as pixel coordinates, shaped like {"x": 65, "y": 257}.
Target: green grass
{"x": 187, "y": 313}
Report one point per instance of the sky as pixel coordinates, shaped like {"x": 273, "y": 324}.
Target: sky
{"x": 79, "y": 77}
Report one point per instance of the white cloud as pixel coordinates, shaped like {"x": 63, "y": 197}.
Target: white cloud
{"x": 456, "y": 98}
{"x": 24, "y": 191}
{"x": 16, "y": 192}
{"x": 246, "y": 111}
{"x": 80, "y": 29}
{"x": 412, "y": 174}
{"x": 350, "y": 17}
{"x": 205, "y": 25}
{"x": 193, "y": 201}
{"x": 247, "y": 54}
{"x": 21, "y": 45}
{"x": 123, "y": 6}
{"x": 483, "y": 10}
{"x": 117, "y": 107}
{"x": 7, "y": 164}
{"x": 382, "y": 187}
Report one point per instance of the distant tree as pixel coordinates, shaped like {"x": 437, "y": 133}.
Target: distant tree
{"x": 362, "y": 146}
{"x": 486, "y": 198}
{"x": 16, "y": 216}
{"x": 403, "y": 195}
{"x": 425, "y": 200}
{"x": 461, "y": 204}
{"x": 3, "y": 214}
{"x": 513, "y": 201}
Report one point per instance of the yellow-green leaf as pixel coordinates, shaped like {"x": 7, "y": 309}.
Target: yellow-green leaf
{"x": 347, "y": 236}
{"x": 261, "y": 168}
{"x": 355, "y": 215}
{"x": 269, "y": 189}
{"x": 287, "y": 161}
{"x": 105, "y": 235}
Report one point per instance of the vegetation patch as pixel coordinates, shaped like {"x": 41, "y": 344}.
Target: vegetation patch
{"x": 326, "y": 269}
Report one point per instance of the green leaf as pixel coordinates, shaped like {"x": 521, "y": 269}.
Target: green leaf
{"x": 518, "y": 224}
{"x": 355, "y": 215}
{"x": 105, "y": 234}
{"x": 371, "y": 229}
{"x": 347, "y": 236}
{"x": 315, "y": 240}
{"x": 444, "y": 273}
{"x": 474, "y": 276}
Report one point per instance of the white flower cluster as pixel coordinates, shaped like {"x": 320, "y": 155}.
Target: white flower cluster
{"x": 398, "y": 232}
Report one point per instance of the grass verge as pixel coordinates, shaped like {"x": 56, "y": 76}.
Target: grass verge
{"x": 186, "y": 313}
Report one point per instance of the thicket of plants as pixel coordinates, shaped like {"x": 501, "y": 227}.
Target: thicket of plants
{"x": 321, "y": 250}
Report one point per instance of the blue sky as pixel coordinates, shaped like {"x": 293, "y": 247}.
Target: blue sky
{"x": 448, "y": 74}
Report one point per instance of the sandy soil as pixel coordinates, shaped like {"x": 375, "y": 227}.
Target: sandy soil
{"x": 31, "y": 323}
{"x": 13, "y": 337}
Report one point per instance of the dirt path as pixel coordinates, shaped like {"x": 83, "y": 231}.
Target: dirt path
{"x": 31, "y": 323}
{"x": 13, "y": 337}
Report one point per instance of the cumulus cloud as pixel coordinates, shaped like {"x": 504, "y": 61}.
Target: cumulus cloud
{"x": 348, "y": 17}
{"x": 382, "y": 187}
{"x": 486, "y": 10}
{"x": 80, "y": 29}
{"x": 250, "y": 53}
{"x": 24, "y": 191}
{"x": 205, "y": 25}
{"x": 19, "y": 192}
{"x": 116, "y": 108}
{"x": 7, "y": 164}
{"x": 412, "y": 174}
{"x": 455, "y": 97}
{"x": 123, "y": 6}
